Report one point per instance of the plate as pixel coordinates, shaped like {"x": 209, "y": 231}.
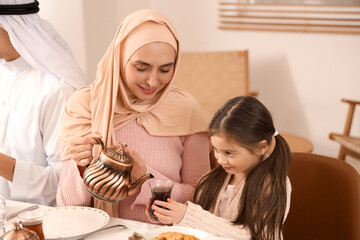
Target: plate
{"x": 73, "y": 222}
{"x": 185, "y": 230}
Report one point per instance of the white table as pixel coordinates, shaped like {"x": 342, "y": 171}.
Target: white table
{"x": 108, "y": 234}
{"x": 111, "y": 234}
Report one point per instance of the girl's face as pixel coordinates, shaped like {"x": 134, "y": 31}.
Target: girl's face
{"x": 150, "y": 69}
{"x": 234, "y": 158}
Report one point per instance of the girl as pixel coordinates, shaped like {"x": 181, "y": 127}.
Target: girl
{"x": 248, "y": 195}
{"x": 133, "y": 100}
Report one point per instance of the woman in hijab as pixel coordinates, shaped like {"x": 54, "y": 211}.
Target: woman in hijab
{"x": 133, "y": 100}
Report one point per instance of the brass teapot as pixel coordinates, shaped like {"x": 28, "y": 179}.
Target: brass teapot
{"x": 19, "y": 233}
{"x": 109, "y": 177}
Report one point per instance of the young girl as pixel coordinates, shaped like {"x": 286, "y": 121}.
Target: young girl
{"x": 248, "y": 195}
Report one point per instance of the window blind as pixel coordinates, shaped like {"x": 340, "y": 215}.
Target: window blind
{"x": 331, "y": 16}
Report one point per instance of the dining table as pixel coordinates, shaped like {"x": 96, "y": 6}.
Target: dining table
{"x": 103, "y": 233}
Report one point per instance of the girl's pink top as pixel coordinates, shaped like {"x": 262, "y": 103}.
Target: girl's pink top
{"x": 182, "y": 159}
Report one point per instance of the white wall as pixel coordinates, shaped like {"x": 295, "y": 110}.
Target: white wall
{"x": 67, "y": 17}
{"x": 300, "y": 77}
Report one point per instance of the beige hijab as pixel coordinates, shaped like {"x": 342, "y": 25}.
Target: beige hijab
{"x": 108, "y": 105}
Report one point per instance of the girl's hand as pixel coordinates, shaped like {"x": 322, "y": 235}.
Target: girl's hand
{"x": 147, "y": 212}
{"x": 139, "y": 168}
{"x": 80, "y": 148}
{"x": 175, "y": 213}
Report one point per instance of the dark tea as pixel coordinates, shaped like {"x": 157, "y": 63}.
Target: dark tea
{"x": 33, "y": 221}
{"x": 35, "y": 226}
{"x": 161, "y": 194}
{"x": 160, "y": 190}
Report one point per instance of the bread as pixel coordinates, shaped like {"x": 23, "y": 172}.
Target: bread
{"x": 175, "y": 236}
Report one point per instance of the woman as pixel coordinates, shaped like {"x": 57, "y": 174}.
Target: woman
{"x": 133, "y": 100}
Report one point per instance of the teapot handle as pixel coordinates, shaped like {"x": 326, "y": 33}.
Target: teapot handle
{"x": 102, "y": 147}
{"x": 100, "y": 142}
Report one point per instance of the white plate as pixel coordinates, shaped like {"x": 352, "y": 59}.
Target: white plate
{"x": 180, "y": 229}
{"x": 73, "y": 222}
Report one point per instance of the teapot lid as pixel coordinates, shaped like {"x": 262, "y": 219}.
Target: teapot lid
{"x": 19, "y": 233}
{"x": 118, "y": 154}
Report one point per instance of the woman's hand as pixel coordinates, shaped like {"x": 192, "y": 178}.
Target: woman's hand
{"x": 175, "y": 213}
{"x": 80, "y": 148}
{"x": 139, "y": 168}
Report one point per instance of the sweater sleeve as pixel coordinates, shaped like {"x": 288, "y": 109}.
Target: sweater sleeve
{"x": 76, "y": 122}
{"x": 71, "y": 190}
{"x": 198, "y": 218}
{"x": 195, "y": 163}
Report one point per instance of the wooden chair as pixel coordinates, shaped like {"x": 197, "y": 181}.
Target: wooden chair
{"x": 214, "y": 77}
{"x": 350, "y": 145}
{"x": 325, "y": 199}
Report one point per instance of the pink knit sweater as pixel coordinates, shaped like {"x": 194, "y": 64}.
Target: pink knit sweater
{"x": 183, "y": 159}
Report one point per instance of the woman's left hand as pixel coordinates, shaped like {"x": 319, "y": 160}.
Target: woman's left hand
{"x": 175, "y": 213}
{"x": 139, "y": 168}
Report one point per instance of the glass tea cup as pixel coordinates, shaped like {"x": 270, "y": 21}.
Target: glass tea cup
{"x": 2, "y": 215}
{"x": 160, "y": 190}
{"x": 33, "y": 220}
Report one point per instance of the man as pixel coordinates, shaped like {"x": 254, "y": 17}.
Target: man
{"x": 37, "y": 75}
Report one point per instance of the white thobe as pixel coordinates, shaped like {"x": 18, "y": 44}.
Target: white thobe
{"x": 31, "y": 108}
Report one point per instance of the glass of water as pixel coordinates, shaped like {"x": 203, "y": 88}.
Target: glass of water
{"x": 2, "y": 215}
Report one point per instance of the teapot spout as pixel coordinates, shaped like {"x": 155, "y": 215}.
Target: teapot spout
{"x": 133, "y": 187}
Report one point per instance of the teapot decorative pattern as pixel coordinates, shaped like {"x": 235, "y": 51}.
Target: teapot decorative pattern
{"x": 109, "y": 177}
{"x": 19, "y": 233}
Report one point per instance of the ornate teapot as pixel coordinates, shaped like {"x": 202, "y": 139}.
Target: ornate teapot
{"x": 19, "y": 233}
{"x": 109, "y": 177}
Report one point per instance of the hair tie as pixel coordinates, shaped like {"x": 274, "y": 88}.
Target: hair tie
{"x": 276, "y": 133}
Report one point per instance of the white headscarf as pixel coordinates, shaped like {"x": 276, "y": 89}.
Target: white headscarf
{"x": 42, "y": 46}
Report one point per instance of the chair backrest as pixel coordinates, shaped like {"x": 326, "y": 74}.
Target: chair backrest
{"x": 214, "y": 77}
{"x": 325, "y": 199}
{"x": 349, "y": 144}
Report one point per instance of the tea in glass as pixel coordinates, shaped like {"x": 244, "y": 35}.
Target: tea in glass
{"x": 33, "y": 220}
{"x": 160, "y": 190}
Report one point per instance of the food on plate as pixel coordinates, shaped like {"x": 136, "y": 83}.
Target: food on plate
{"x": 175, "y": 236}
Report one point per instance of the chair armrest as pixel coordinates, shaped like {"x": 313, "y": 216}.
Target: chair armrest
{"x": 332, "y": 136}
{"x": 350, "y": 101}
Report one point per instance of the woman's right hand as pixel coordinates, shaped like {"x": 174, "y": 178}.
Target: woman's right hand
{"x": 80, "y": 148}
{"x": 139, "y": 168}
